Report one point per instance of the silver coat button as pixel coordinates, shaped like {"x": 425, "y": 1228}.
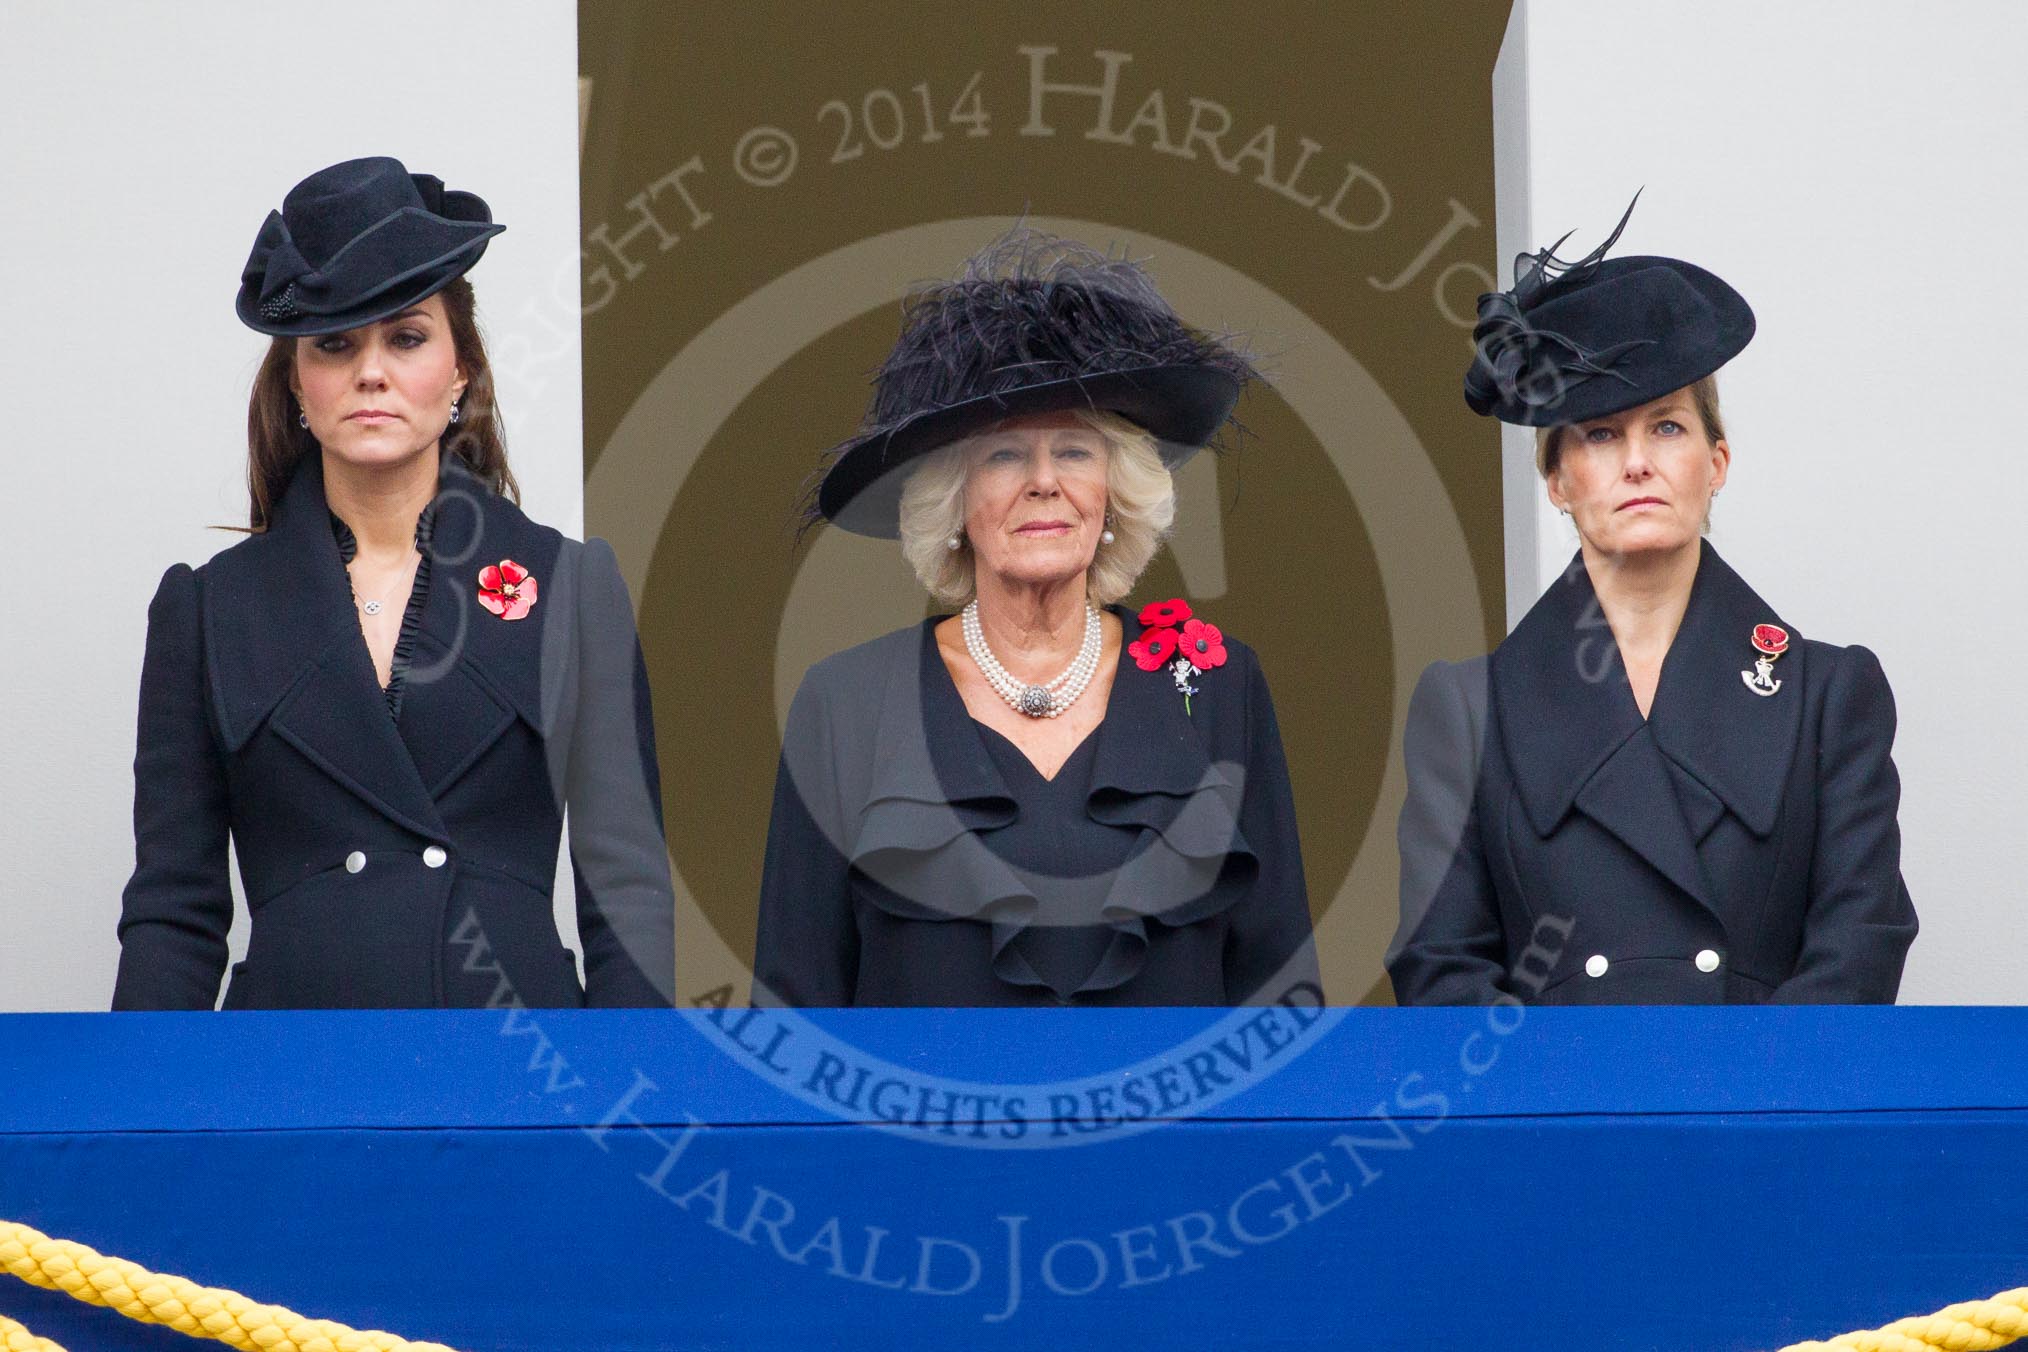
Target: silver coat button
{"x": 1596, "y": 965}
{"x": 355, "y": 861}
{"x": 1707, "y": 960}
{"x": 434, "y": 856}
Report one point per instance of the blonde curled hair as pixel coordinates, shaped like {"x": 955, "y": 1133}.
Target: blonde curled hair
{"x": 1140, "y": 495}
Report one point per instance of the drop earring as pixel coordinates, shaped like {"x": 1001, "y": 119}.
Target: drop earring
{"x": 302, "y": 420}
{"x": 455, "y": 413}
{"x": 954, "y": 542}
{"x": 1106, "y": 536}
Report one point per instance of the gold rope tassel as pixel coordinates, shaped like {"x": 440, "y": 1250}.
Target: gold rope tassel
{"x": 1972, "y": 1326}
{"x": 14, "y": 1338}
{"x": 181, "y": 1304}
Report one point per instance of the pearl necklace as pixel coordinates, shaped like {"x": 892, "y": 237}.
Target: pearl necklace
{"x": 1037, "y": 701}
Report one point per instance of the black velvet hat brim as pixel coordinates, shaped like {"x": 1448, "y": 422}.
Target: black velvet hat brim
{"x": 418, "y": 262}
{"x": 1676, "y": 322}
{"x": 1182, "y": 407}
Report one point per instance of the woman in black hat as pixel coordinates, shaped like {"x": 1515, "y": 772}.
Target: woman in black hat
{"x": 389, "y": 692}
{"x": 1654, "y": 791}
{"x": 1045, "y": 798}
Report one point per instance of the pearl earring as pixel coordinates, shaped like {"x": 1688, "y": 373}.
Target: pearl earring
{"x": 954, "y": 542}
{"x": 1106, "y": 536}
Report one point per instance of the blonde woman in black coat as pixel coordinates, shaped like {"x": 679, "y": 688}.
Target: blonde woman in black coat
{"x": 1046, "y": 798}
{"x": 1655, "y": 791}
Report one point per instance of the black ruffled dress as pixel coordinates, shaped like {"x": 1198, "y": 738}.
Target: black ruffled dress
{"x": 916, "y": 857}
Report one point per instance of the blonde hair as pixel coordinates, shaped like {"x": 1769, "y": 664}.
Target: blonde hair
{"x": 1703, "y": 396}
{"x": 1140, "y": 495}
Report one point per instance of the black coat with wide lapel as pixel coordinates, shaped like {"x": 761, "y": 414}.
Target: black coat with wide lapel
{"x": 882, "y": 885}
{"x": 472, "y": 674}
{"x": 1599, "y": 857}
{"x": 284, "y": 652}
{"x": 385, "y": 864}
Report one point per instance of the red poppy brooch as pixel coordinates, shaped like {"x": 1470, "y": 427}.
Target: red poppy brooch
{"x": 1173, "y": 637}
{"x": 1770, "y": 641}
{"x": 507, "y": 589}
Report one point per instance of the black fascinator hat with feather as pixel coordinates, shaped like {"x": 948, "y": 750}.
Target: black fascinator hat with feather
{"x": 1033, "y": 324}
{"x": 1576, "y": 341}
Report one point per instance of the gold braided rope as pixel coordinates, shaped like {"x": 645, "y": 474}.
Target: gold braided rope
{"x": 211, "y": 1312}
{"x": 14, "y": 1338}
{"x": 180, "y": 1304}
{"x": 1971, "y": 1326}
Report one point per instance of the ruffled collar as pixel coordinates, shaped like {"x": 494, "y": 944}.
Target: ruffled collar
{"x": 348, "y": 543}
{"x": 935, "y": 789}
{"x": 418, "y": 597}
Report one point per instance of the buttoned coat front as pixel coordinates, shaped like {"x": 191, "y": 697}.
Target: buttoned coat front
{"x": 395, "y": 863}
{"x": 1732, "y": 847}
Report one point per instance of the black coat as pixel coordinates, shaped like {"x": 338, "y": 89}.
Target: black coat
{"x": 394, "y": 864}
{"x": 1731, "y": 848}
{"x": 882, "y": 884}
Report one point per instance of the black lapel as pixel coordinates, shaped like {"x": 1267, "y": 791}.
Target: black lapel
{"x": 284, "y": 646}
{"x": 1734, "y": 743}
{"x": 1633, "y": 796}
{"x": 471, "y": 672}
{"x": 1575, "y": 738}
{"x": 1561, "y": 696}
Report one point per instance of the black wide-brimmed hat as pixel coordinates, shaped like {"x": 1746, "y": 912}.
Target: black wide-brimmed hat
{"x": 358, "y": 242}
{"x": 1034, "y": 324}
{"x": 1576, "y": 341}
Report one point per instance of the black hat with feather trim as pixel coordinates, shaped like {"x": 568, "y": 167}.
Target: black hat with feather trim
{"x": 358, "y": 242}
{"x": 1033, "y": 324}
{"x": 1576, "y": 341}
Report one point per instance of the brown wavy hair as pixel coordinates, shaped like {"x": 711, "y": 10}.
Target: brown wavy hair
{"x": 276, "y": 443}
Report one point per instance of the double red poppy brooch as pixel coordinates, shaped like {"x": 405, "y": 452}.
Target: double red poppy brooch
{"x": 1173, "y": 637}
{"x": 507, "y": 589}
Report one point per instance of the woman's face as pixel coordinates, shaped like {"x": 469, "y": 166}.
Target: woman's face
{"x": 380, "y": 394}
{"x": 1640, "y": 481}
{"x": 1035, "y": 499}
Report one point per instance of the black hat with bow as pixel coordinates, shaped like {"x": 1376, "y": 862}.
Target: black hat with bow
{"x": 358, "y": 242}
{"x": 1033, "y": 324}
{"x": 1576, "y": 341}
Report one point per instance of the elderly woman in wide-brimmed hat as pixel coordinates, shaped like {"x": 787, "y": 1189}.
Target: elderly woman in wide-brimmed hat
{"x": 387, "y": 695}
{"x": 1655, "y": 790}
{"x": 1046, "y": 797}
